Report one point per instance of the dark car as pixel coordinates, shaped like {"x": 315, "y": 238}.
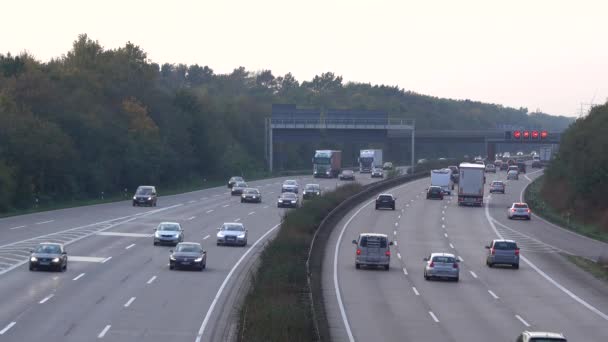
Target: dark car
{"x": 504, "y": 166}
{"x": 188, "y": 255}
{"x": 234, "y": 180}
{"x": 48, "y": 255}
{"x": 311, "y": 191}
{"x": 238, "y": 188}
{"x": 536, "y": 164}
{"x": 145, "y": 195}
{"x": 497, "y": 186}
{"x": 455, "y": 173}
{"x": 521, "y": 166}
{"x": 251, "y": 195}
{"x": 385, "y": 201}
{"x": 347, "y": 175}
{"x": 434, "y": 192}
{"x": 288, "y": 200}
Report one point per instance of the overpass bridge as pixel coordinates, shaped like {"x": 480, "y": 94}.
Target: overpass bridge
{"x": 290, "y": 124}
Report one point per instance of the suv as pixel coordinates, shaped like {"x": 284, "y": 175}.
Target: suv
{"x": 373, "y": 250}
{"x": 503, "y": 252}
{"x": 385, "y": 201}
{"x": 538, "y": 336}
{"x": 145, "y": 195}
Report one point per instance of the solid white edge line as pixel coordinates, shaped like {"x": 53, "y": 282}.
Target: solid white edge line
{"x": 522, "y": 321}
{"x": 544, "y": 275}
{"x": 151, "y": 280}
{"x": 434, "y": 317}
{"x": 79, "y": 276}
{"x": 129, "y": 302}
{"x": 201, "y": 331}
{"x": 473, "y": 274}
{"x": 10, "y": 325}
{"x": 415, "y": 291}
{"x": 492, "y": 294}
{"x": 129, "y": 246}
{"x": 46, "y": 299}
{"x": 104, "y": 331}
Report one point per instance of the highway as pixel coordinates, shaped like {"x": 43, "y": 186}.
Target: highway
{"x": 118, "y": 286}
{"x": 547, "y": 293}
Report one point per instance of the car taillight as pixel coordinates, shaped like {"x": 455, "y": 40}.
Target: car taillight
{"x": 492, "y": 251}
{"x": 455, "y": 265}
{"x": 517, "y": 251}
{"x": 358, "y": 251}
{"x": 388, "y": 253}
{"x": 513, "y": 210}
{"x": 528, "y": 210}
{"x": 432, "y": 264}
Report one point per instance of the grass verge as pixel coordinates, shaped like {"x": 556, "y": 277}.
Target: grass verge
{"x": 541, "y": 208}
{"x": 277, "y": 306}
{"x": 597, "y": 270}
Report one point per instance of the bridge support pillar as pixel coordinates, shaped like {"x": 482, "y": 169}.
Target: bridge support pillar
{"x": 491, "y": 150}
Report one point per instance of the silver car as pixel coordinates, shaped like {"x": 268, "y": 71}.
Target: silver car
{"x": 232, "y": 233}
{"x": 170, "y": 233}
{"x": 519, "y": 210}
{"x": 377, "y": 172}
{"x": 290, "y": 185}
{"x": 373, "y": 250}
{"x": 441, "y": 265}
{"x": 512, "y": 175}
{"x": 503, "y": 252}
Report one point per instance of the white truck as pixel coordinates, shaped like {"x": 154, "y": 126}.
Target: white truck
{"x": 470, "y": 184}
{"x": 369, "y": 159}
{"x": 545, "y": 153}
{"x": 443, "y": 179}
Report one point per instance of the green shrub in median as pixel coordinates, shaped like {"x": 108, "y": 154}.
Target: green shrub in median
{"x": 277, "y": 306}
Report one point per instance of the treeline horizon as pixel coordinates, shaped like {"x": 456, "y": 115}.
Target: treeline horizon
{"x": 101, "y": 120}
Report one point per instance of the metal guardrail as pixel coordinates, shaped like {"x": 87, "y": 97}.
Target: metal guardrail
{"x": 330, "y": 122}
{"x": 318, "y": 245}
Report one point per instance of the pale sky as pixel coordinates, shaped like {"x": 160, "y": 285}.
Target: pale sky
{"x": 547, "y": 55}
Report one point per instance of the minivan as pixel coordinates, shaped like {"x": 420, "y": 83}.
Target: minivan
{"x": 373, "y": 250}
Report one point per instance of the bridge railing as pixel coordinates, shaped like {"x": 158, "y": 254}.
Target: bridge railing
{"x": 340, "y": 122}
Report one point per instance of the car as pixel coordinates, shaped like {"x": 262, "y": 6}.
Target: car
{"x": 441, "y": 265}
{"x": 290, "y": 185}
{"x": 490, "y": 168}
{"x": 502, "y": 252}
{"x": 188, "y": 255}
{"x": 536, "y": 164}
{"x": 511, "y": 162}
{"x": 422, "y": 161}
{"x": 504, "y": 167}
{"x": 377, "y": 173}
{"x": 512, "y": 175}
{"x": 540, "y": 336}
{"x": 145, "y": 195}
{"x": 311, "y": 191}
{"x": 521, "y": 167}
{"x": 497, "y": 186}
{"x": 288, "y": 200}
{"x": 480, "y": 162}
{"x": 434, "y": 192}
{"x": 455, "y": 173}
{"x": 520, "y": 153}
{"x": 251, "y": 195}
{"x": 234, "y": 180}
{"x": 49, "y": 255}
{"x": 387, "y": 166}
{"x": 513, "y": 168}
{"x": 373, "y": 250}
{"x": 232, "y": 233}
{"x": 238, "y": 188}
{"x": 498, "y": 163}
{"x": 347, "y": 175}
{"x": 385, "y": 201}
{"x": 170, "y": 233}
{"x": 519, "y": 210}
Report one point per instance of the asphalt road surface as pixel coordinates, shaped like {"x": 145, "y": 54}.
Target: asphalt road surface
{"x": 546, "y": 293}
{"x": 118, "y": 286}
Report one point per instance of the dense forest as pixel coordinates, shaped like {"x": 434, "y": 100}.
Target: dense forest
{"x": 99, "y": 119}
{"x": 577, "y": 180}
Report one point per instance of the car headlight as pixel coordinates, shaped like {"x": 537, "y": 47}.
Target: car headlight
{"x": 198, "y": 259}
{"x": 33, "y": 259}
{"x": 220, "y": 235}
{"x": 56, "y": 260}
{"x": 241, "y": 236}
{"x": 150, "y": 198}
{"x": 134, "y": 197}
{"x": 293, "y": 202}
{"x": 243, "y": 195}
{"x": 327, "y": 172}
{"x": 171, "y": 257}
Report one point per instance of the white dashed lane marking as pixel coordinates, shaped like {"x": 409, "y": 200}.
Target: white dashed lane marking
{"x": 104, "y": 331}
{"x": 151, "y": 280}
{"x": 45, "y": 299}
{"x": 10, "y": 325}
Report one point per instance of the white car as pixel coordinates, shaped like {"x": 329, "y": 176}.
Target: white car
{"x": 490, "y": 168}
{"x": 232, "y": 233}
{"x": 290, "y": 185}
{"x": 377, "y": 173}
{"x": 531, "y": 336}
{"x": 519, "y": 210}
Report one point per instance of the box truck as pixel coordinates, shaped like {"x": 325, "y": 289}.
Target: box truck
{"x": 470, "y": 184}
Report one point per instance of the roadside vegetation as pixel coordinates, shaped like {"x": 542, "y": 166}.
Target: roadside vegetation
{"x": 597, "y": 270}
{"x": 573, "y": 191}
{"x": 101, "y": 120}
{"x": 277, "y": 306}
